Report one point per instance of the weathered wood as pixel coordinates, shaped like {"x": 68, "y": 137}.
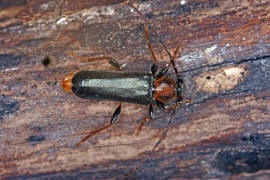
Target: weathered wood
{"x": 225, "y": 64}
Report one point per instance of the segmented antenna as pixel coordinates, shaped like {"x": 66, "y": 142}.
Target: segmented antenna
{"x": 164, "y": 133}
{"x": 151, "y": 27}
{"x": 179, "y": 81}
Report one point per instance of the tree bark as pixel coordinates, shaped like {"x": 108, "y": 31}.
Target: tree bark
{"x": 224, "y": 61}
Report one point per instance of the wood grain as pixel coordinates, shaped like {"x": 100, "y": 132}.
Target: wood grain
{"x": 225, "y": 63}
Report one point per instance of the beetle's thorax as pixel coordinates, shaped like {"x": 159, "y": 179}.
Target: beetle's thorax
{"x": 165, "y": 89}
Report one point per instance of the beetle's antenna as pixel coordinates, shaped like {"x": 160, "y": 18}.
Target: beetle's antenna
{"x": 161, "y": 73}
{"x": 178, "y": 77}
{"x": 151, "y": 27}
{"x": 164, "y": 133}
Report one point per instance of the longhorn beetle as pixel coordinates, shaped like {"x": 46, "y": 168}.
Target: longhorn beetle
{"x": 140, "y": 88}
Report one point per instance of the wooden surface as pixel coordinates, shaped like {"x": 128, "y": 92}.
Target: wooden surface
{"x": 225, "y": 63}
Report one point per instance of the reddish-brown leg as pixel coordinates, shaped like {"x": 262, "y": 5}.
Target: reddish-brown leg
{"x": 187, "y": 101}
{"x": 154, "y": 66}
{"x": 113, "y": 120}
{"x": 113, "y": 62}
{"x": 164, "y": 133}
{"x": 146, "y": 30}
{"x": 153, "y": 71}
{"x": 176, "y": 51}
{"x": 150, "y": 112}
{"x": 164, "y": 70}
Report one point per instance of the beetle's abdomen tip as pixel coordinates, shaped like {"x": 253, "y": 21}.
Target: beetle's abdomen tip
{"x": 67, "y": 83}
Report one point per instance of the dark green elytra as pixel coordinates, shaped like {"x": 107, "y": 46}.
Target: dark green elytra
{"x": 114, "y": 86}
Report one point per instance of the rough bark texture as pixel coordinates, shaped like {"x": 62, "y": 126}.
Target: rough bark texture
{"x": 225, "y": 63}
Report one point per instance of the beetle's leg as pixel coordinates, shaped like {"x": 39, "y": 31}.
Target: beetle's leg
{"x": 164, "y": 133}
{"x": 187, "y": 101}
{"x": 164, "y": 70}
{"x": 154, "y": 66}
{"x": 160, "y": 105}
{"x": 148, "y": 118}
{"x": 176, "y": 51}
{"x": 113, "y": 120}
{"x": 113, "y": 62}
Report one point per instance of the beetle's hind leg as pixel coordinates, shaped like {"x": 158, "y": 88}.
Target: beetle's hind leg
{"x": 112, "y": 121}
{"x": 148, "y": 118}
{"x": 113, "y": 62}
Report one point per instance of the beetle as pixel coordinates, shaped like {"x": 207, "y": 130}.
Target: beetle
{"x": 140, "y": 88}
